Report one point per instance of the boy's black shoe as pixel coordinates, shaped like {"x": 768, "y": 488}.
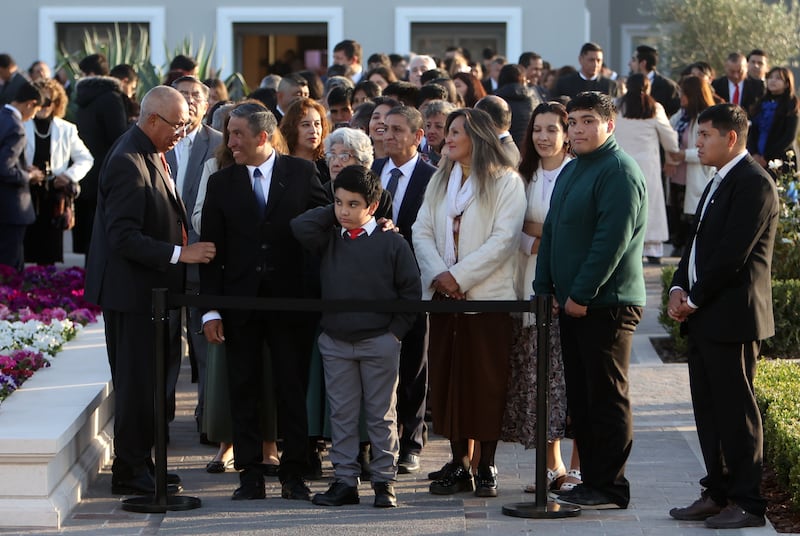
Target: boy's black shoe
{"x": 384, "y": 495}
{"x": 486, "y": 482}
{"x": 337, "y": 495}
{"x": 455, "y": 479}
{"x": 438, "y": 474}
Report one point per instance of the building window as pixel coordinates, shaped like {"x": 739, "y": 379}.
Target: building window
{"x": 415, "y": 29}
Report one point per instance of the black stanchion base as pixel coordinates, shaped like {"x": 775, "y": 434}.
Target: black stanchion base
{"x": 148, "y": 505}
{"x": 552, "y": 510}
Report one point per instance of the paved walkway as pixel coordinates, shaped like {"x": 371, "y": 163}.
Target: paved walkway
{"x": 663, "y": 469}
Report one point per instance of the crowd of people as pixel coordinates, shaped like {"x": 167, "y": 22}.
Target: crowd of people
{"x": 408, "y": 178}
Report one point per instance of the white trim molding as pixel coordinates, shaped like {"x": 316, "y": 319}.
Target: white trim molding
{"x": 154, "y": 16}
{"x": 404, "y": 17}
{"x": 228, "y": 16}
{"x": 627, "y": 34}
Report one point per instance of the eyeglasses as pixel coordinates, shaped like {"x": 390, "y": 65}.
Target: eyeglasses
{"x": 343, "y": 157}
{"x": 47, "y": 102}
{"x": 180, "y": 128}
{"x": 195, "y": 96}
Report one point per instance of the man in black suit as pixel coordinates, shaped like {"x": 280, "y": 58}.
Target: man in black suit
{"x": 138, "y": 244}
{"x": 246, "y": 213}
{"x": 405, "y": 175}
{"x": 11, "y": 77}
{"x": 722, "y": 292}
{"x": 662, "y": 89}
{"x": 186, "y": 161}
{"x": 736, "y": 87}
{"x": 589, "y": 77}
{"x": 291, "y": 87}
{"x": 500, "y": 112}
{"x": 16, "y": 209}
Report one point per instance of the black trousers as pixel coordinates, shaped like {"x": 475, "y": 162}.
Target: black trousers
{"x": 413, "y": 388}
{"x": 728, "y": 420}
{"x": 12, "y": 238}
{"x": 130, "y": 340}
{"x": 288, "y": 336}
{"x": 596, "y": 350}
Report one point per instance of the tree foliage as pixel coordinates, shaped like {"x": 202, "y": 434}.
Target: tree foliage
{"x": 709, "y": 30}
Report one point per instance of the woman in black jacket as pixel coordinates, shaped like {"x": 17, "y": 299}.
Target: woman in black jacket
{"x": 774, "y": 124}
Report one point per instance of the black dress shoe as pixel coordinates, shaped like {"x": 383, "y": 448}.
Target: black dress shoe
{"x": 436, "y": 475}
{"x": 486, "y": 482}
{"x": 408, "y": 463}
{"x": 701, "y": 509}
{"x": 733, "y": 517}
{"x": 270, "y": 469}
{"x": 295, "y": 489}
{"x": 141, "y": 484}
{"x": 337, "y": 495}
{"x": 589, "y": 499}
{"x": 384, "y": 495}
{"x": 455, "y": 479}
{"x": 249, "y": 491}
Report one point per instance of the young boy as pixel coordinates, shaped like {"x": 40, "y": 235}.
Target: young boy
{"x": 360, "y": 351}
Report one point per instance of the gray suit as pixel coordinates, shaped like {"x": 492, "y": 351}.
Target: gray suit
{"x": 203, "y": 147}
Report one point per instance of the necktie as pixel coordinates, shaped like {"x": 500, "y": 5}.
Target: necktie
{"x": 692, "y": 252}
{"x": 355, "y": 233}
{"x": 183, "y": 162}
{"x": 394, "y": 178}
{"x": 736, "y": 95}
{"x": 258, "y": 189}
{"x": 184, "y": 236}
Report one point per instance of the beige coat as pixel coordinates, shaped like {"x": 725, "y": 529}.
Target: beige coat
{"x": 487, "y": 242}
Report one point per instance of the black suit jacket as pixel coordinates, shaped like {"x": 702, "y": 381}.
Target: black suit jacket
{"x": 412, "y": 199}
{"x": 752, "y": 90}
{"x": 734, "y": 243}
{"x": 665, "y": 92}
{"x": 258, "y": 257}
{"x": 15, "y": 193}
{"x": 571, "y": 84}
{"x": 136, "y": 228}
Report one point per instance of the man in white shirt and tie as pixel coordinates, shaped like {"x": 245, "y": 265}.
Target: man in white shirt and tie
{"x": 405, "y": 176}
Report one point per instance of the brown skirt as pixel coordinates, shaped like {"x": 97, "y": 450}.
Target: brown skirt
{"x": 468, "y": 367}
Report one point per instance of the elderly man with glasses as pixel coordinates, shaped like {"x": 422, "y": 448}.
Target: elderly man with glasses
{"x": 139, "y": 242}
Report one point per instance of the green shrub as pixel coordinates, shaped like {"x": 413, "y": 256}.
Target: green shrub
{"x": 779, "y": 402}
{"x": 786, "y": 308}
{"x": 672, "y": 327}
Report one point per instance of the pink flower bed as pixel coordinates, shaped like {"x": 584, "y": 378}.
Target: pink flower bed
{"x": 40, "y": 309}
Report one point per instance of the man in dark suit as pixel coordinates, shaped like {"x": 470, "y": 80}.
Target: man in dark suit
{"x": 405, "y": 175}
{"x": 11, "y": 77}
{"x": 589, "y": 77}
{"x": 186, "y": 161}
{"x": 722, "y": 292}
{"x": 247, "y": 211}
{"x": 16, "y": 209}
{"x": 662, "y": 89}
{"x": 138, "y": 244}
{"x": 500, "y": 112}
{"x": 736, "y": 87}
{"x": 291, "y": 87}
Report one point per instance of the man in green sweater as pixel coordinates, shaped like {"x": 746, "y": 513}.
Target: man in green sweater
{"x": 590, "y": 259}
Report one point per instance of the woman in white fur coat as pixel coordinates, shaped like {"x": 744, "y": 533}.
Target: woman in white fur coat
{"x": 53, "y": 142}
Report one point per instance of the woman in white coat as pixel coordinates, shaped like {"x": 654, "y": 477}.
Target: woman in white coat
{"x": 466, "y": 238}
{"x": 54, "y": 147}
{"x": 688, "y": 177}
{"x": 641, "y": 126}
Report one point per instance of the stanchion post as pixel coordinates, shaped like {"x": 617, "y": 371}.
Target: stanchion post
{"x": 160, "y": 502}
{"x": 542, "y": 508}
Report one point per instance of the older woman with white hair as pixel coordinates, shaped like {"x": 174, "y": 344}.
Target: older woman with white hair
{"x": 349, "y": 147}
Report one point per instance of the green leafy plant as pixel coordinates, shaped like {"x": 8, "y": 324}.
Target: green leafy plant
{"x": 786, "y": 258}
{"x": 673, "y": 328}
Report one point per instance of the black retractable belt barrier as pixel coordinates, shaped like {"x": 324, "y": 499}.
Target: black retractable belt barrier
{"x": 542, "y": 508}
{"x": 163, "y": 301}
